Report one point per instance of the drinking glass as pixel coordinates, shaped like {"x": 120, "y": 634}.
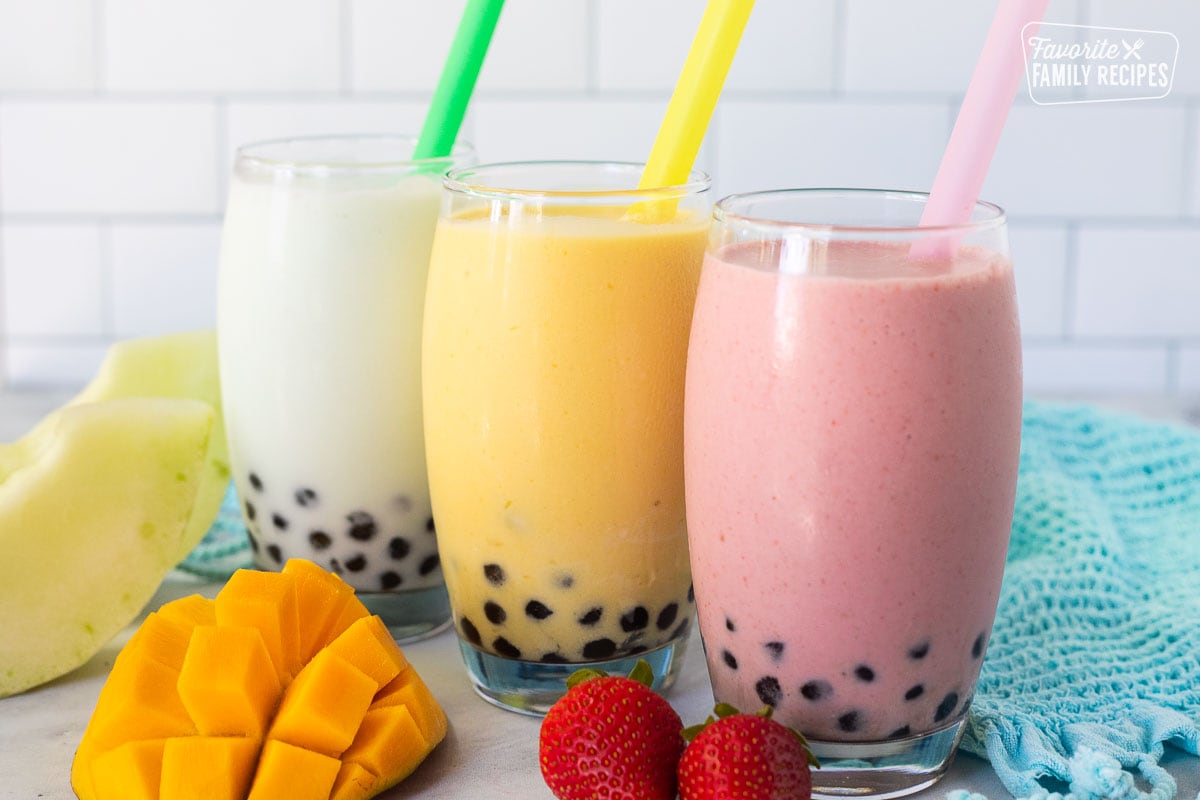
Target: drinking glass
{"x": 853, "y": 420}
{"x": 556, "y": 324}
{"x": 324, "y": 256}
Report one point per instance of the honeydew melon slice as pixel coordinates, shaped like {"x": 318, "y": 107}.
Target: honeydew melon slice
{"x": 95, "y": 505}
{"x": 172, "y": 365}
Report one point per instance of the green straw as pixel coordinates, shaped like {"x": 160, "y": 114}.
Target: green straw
{"x": 449, "y": 104}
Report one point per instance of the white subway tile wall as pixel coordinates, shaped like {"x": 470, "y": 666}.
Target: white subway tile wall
{"x": 119, "y": 120}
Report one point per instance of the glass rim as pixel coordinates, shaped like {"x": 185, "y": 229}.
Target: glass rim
{"x": 455, "y": 180}
{"x": 994, "y": 217}
{"x": 247, "y": 154}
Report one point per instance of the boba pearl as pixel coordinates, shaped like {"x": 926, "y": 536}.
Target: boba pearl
{"x": 775, "y": 650}
{"x": 505, "y": 648}
{"x": 914, "y": 692}
{"x": 918, "y": 651}
{"x": 494, "y": 612}
{"x": 977, "y": 647}
{"x": 279, "y": 521}
{"x": 849, "y": 722}
{"x": 667, "y": 616}
{"x": 429, "y": 564}
{"x": 946, "y": 707}
{"x": 494, "y": 574}
{"x": 636, "y": 619}
{"x": 591, "y": 617}
{"x": 398, "y": 547}
{"x": 769, "y": 691}
{"x": 319, "y": 540}
{"x": 729, "y": 659}
{"x": 362, "y": 526}
{"x": 599, "y": 649}
{"x": 470, "y": 631}
{"x": 864, "y": 673}
{"x": 390, "y": 580}
{"x": 306, "y": 498}
{"x": 535, "y": 609}
{"x": 816, "y": 690}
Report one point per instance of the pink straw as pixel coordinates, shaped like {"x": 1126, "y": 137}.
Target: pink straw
{"x": 980, "y": 121}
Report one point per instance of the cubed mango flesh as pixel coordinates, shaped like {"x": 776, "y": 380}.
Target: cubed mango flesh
{"x": 287, "y": 771}
{"x": 228, "y": 683}
{"x": 208, "y": 767}
{"x": 350, "y": 722}
{"x": 324, "y": 705}
{"x": 267, "y": 601}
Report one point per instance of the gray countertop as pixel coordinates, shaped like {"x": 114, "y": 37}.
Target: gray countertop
{"x": 489, "y": 753}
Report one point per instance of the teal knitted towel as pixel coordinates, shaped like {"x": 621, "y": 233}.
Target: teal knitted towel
{"x": 1094, "y": 662}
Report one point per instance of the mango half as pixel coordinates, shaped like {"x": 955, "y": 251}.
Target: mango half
{"x": 284, "y": 686}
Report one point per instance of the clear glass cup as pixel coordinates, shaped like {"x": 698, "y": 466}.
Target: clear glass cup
{"x": 324, "y": 256}
{"x": 853, "y": 422}
{"x": 556, "y": 323}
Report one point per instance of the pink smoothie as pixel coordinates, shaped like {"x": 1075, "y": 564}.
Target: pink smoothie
{"x": 851, "y": 460}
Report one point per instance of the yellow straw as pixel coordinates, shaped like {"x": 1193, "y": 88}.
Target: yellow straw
{"x": 696, "y": 93}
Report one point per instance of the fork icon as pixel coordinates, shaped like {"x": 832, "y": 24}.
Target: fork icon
{"x": 1132, "y": 49}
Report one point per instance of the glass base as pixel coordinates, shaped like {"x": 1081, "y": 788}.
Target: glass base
{"x": 411, "y": 615}
{"x": 531, "y": 687}
{"x": 894, "y": 768}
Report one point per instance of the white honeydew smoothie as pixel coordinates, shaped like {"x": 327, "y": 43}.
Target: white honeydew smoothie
{"x": 324, "y": 258}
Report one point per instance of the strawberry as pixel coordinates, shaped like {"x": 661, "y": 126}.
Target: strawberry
{"x": 745, "y": 757}
{"x": 611, "y": 737}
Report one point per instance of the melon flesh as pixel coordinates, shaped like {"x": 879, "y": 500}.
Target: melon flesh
{"x": 173, "y": 365}
{"x": 95, "y": 505}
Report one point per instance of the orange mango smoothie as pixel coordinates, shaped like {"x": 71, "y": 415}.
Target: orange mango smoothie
{"x": 554, "y": 350}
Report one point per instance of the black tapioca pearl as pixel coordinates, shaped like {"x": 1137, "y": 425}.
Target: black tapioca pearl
{"x": 946, "y": 707}
{"x": 691, "y": 595}
{"x": 390, "y": 580}
{"x": 599, "y": 649}
{"x": 319, "y": 540}
{"x": 279, "y": 521}
{"x": 591, "y": 616}
{"x": 914, "y": 692}
{"x": 667, "y": 616}
{"x": 637, "y": 649}
{"x": 774, "y": 650}
{"x": 900, "y": 732}
{"x": 305, "y": 497}
{"x": 769, "y": 690}
{"x": 275, "y": 553}
{"x": 729, "y": 626}
{"x": 256, "y": 482}
{"x": 429, "y": 564}
{"x": 864, "y": 673}
{"x": 494, "y": 612}
{"x": 635, "y": 619}
{"x": 494, "y": 574}
{"x": 251, "y": 511}
{"x": 566, "y": 581}
{"x": 849, "y": 722}
{"x": 429, "y": 526}
{"x": 536, "y": 609}
{"x": 554, "y": 658}
{"x": 729, "y": 659}
{"x": 362, "y": 526}
{"x": 398, "y": 547}
{"x": 816, "y": 690}
{"x": 253, "y": 540}
{"x": 469, "y": 631}
{"x": 335, "y": 566}
{"x": 681, "y": 628}
{"x": 402, "y": 503}
{"x": 357, "y": 563}
{"x": 918, "y": 651}
{"x": 506, "y": 648}
{"x": 977, "y": 647}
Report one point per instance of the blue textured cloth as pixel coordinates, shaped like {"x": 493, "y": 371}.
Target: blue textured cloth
{"x": 1094, "y": 661}
{"x": 225, "y": 547}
